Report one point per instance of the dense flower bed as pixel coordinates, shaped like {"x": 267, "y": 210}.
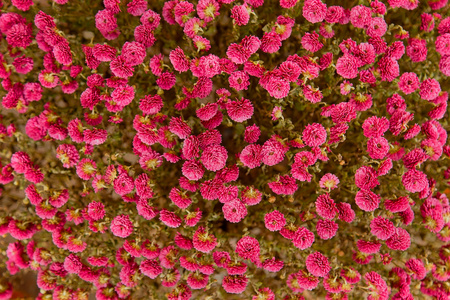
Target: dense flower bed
{"x": 270, "y": 149}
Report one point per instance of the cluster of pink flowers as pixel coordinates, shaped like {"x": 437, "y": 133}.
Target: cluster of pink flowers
{"x": 270, "y": 149}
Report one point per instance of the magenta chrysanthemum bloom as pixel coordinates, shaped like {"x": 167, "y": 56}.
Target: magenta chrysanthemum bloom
{"x": 314, "y": 11}
{"x": 368, "y": 247}
{"x": 378, "y": 147}
{"x": 96, "y": 210}
{"x": 20, "y": 162}
{"x": 121, "y": 226}
{"x": 273, "y": 151}
{"x": 285, "y": 185}
{"x": 95, "y": 136}
{"x": 302, "y": 280}
{"x": 123, "y": 184}
{"x": 382, "y": 228}
{"x": 414, "y": 181}
{"x": 169, "y": 218}
{"x": 375, "y": 126}
{"x": 166, "y": 81}
{"x": 408, "y": 82}
{"x": 270, "y": 42}
{"x": 73, "y": 264}
{"x": 397, "y": 205}
{"x": 303, "y": 238}
{"x": 429, "y": 89}
{"x": 150, "y": 268}
{"x": 240, "y": 110}
{"x": 366, "y": 178}
{"x": 274, "y": 221}
{"x": 417, "y": 268}
{"x": 326, "y": 229}
{"x": 248, "y": 248}
{"x": 367, "y": 200}
{"x": 314, "y": 135}
{"x": 214, "y": 157}
{"x": 235, "y": 284}
{"x": 204, "y": 241}
{"x": 251, "y": 156}
{"x": 193, "y": 170}
{"x": 329, "y": 181}
{"x": 400, "y": 240}
{"x": 325, "y": 207}
{"x": 68, "y": 155}
{"x": 347, "y": 66}
{"x": 317, "y": 264}
{"x": 234, "y": 211}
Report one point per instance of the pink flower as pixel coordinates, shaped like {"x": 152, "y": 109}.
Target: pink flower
{"x": 251, "y": 156}
{"x": 248, "y": 248}
{"x": 273, "y": 151}
{"x": 429, "y": 89}
{"x": 345, "y": 211}
{"x": 240, "y": 110}
{"x": 271, "y": 42}
{"x": 302, "y": 280}
{"x": 378, "y": 147}
{"x": 388, "y": 68}
{"x": 284, "y": 185}
{"x": 382, "y": 228}
{"x": 317, "y": 264}
{"x": 397, "y": 205}
{"x": 240, "y": 15}
{"x": 96, "y": 210}
{"x": 169, "y": 218}
{"x": 274, "y": 220}
{"x": 72, "y": 264}
{"x": 234, "y": 284}
{"x": 368, "y": 247}
{"x": 207, "y": 112}
{"x": 325, "y": 207}
{"x": 314, "y": 135}
{"x": 123, "y": 184}
{"x": 179, "y": 60}
{"x": 400, "y": 240}
{"x": 252, "y": 133}
{"x": 347, "y": 66}
{"x": 166, "y": 81}
{"x": 193, "y": 170}
{"x": 314, "y": 11}
{"x": 150, "y": 268}
{"x": 417, "y": 49}
{"x": 367, "y": 200}
{"x": 204, "y": 241}
{"x": 20, "y": 162}
{"x": 326, "y": 229}
{"x": 408, "y": 82}
{"x": 360, "y": 16}
{"x": 234, "y": 211}
{"x": 239, "y": 80}
{"x": 366, "y": 178}
{"x": 121, "y": 226}
{"x": 68, "y": 155}
{"x": 310, "y": 41}
{"x": 374, "y": 127}
{"x": 214, "y": 157}
{"x": 303, "y": 238}
{"x": 329, "y": 181}
{"x": 414, "y": 181}
{"x": 95, "y": 136}
{"x": 417, "y": 267}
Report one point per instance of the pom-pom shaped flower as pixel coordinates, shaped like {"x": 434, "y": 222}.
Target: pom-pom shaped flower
{"x": 317, "y": 264}
{"x": 274, "y": 220}
{"x": 121, "y": 226}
